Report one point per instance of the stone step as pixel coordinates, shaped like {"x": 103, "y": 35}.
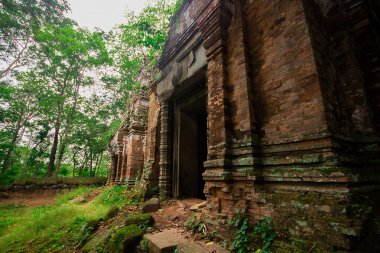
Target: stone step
{"x": 165, "y": 241}
{"x": 172, "y": 240}
{"x": 190, "y": 247}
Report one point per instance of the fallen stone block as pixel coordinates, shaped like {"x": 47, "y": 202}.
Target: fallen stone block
{"x": 139, "y": 219}
{"x": 151, "y": 205}
{"x": 191, "y": 247}
{"x": 97, "y": 242}
{"x": 198, "y": 206}
{"x": 164, "y": 242}
{"x": 78, "y": 200}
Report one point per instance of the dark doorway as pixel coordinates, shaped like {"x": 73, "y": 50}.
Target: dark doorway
{"x": 190, "y": 146}
{"x": 114, "y": 166}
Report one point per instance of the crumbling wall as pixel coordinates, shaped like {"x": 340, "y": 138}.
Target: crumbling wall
{"x": 128, "y": 144}
{"x": 152, "y": 159}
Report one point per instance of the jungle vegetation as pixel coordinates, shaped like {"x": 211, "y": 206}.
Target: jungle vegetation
{"x": 63, "y": 88}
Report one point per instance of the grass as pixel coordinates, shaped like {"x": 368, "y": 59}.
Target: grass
{"x": 54, "y": 228}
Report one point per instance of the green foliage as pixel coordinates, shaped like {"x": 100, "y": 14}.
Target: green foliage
{"x": 124, "y": 238}
{"x": 240, "y": 243}
{"x": 10, "y": 214}
{"x": 263, "y": 232}
{"x": 136, "y": 47}
{"x": 264, "y": 229}
{"x": 143, "y": 246}
{"x": 71, "y": 194}
{"x": 115, "y": 196}
{"x": 19, "y": 21}
{"x": 197, "y": 225}
{"x": 192, "y": 223}
{"x": 74, "y": 86}
{"x": 60, "y": 227}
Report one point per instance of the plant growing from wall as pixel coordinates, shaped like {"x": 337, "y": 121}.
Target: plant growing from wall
{"x": 241, "y": 240}
{"x": 197, "y": 226}
{"x": 263, "y": 232}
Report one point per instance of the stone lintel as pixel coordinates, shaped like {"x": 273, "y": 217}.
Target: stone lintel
{"x": 217, "y": 175}
{"x": 217, "y": 163}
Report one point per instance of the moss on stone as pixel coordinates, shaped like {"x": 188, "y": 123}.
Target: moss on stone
{"x": 125, "y": 239}
{"x": 111, "y": 213}
{"x": 91, "y": 225}
{"x": 97, "y": 242}
{"x": 141, "y": 219}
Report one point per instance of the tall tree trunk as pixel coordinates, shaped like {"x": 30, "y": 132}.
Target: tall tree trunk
{"x": 27, "y": 156}
{"x": 67, "y": 128}
{"x": 58, "y": 122}
{"x": 99, "y": 163}
{"x": 74, "y": 163}
{"x": 54, "y": 148}
{"x": 91, "y": 158}
{"x": 83, "y": 164}
{"x": 60, "y": 157}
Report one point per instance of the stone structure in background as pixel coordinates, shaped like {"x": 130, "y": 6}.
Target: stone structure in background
{"x": 272, "y": 108}
{"x": 128, "y": 144}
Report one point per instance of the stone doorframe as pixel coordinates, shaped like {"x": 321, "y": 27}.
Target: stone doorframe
{"x": 212, "y": 24}
{"x": 176, "y": 131}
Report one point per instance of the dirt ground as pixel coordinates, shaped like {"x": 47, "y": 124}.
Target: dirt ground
{"x": 172, "y": 216}
{"x": 29, "y": 198}
{"x": 174, "y": 213}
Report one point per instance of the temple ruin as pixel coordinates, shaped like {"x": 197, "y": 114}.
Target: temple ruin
{"x": 127, "y": 145}
{"x": 271, "y": 108}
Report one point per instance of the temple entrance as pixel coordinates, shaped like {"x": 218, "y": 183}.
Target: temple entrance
{"x": 190, "y": 146}
{"x": 114, "y": 166}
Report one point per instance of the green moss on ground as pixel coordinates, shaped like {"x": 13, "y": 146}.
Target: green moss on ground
{"x": 98, "y": 241}
{"x": 140, "y": 219}
{"x": 124, "y": 239}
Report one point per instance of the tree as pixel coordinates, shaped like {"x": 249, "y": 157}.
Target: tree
{"x": 19, "y": 21}
{"x": 22, "y": 103}
{"x": 66, "y": 55}
{"x": 135, "y": 49}
{"x": 66, "y": 105}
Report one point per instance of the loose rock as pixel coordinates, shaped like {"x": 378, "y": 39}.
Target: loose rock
{"x": 151, "y": 205}
{"x": 198, "y": 206}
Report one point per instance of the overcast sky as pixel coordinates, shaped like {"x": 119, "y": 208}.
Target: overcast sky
{"x": 104, "y": 14}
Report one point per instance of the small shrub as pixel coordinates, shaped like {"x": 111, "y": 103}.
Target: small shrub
{"x": 263, "y": 232}
{"x": 241, "y": 241}
{"x": 198, "y": 226}
{"x": 264, "y": 229}
{"x": 143, "y": 246}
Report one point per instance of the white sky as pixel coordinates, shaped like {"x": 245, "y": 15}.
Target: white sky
{"x": 104, "y": 14}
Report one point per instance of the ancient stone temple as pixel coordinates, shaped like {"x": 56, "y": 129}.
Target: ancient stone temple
{"x": 127, "y": 145}
{"x": 271, "y": 108}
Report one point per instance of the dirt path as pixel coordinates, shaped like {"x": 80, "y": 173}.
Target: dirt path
{"x": 174, "y": 213}
{"x": 172, "y": 216}
{"x": 39, "y": 197}
{"x": 30, "y": 198}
